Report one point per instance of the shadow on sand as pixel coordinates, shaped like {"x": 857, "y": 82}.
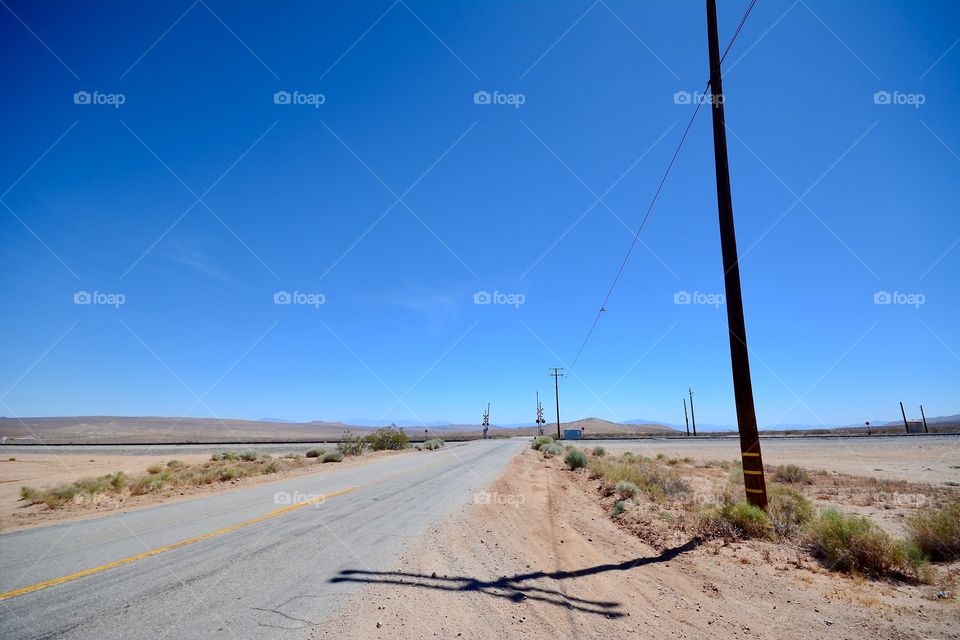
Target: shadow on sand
{"x": 515, "y": 588}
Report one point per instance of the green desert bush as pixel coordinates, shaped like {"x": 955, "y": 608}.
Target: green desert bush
{"x": 315, "y": 453}
{"x": 793, "y": 474}
{"x": 656, "y": 480}
{"x": 552, "y": 449}
{"x": 332, "y": 456}
{"x": 30, "y": 495}
{"x": 149, "y": 484}
{"x": 118, "y": 480}
{"x": 174, "y": 464}
{"x": 848, "y": 542}
{"x": 789, "y": 511}
{"x": 225, "y": 455}
{"x": 390, "y": 438}
{"x": 351, "y": 445}
{"x": 738, "y": 519}
{"x": 619, "y": 507}
{"x": 228, "y": 473}
{"x": 575, "y": 459}
{"x": 433, "y": 444}
{"x": 59, "y": 495}
{"x": 93, "y": 486}
{"x": 154, "y": 469}
{"x": 599, "y": 452}
{"x": 626, "y": 489}
{"x": 248, "y": 455}
{"x": 540, "y": 442}
{"x": 788, "y": 507}
{"x": 936, "y": 532}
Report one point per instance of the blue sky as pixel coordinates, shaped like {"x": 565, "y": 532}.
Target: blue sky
{"x": 179, "y": 191}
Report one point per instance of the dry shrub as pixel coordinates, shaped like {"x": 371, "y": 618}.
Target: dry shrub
{"x": 789, "y": 511}
{"x": 848, "y": 542}
{"x": 736, "y": 520}
{"x": 792, "y": 474}
{"x": 937, "y": 531}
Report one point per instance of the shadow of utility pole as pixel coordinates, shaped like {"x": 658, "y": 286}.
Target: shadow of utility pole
{"x": 516, "y": 588}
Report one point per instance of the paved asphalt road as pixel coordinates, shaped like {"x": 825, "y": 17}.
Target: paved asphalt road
{"x": 264, "y": 579}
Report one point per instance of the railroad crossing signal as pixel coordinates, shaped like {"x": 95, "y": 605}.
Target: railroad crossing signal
{"x": 486, "y": 421}
{"x": 540, "y": 419}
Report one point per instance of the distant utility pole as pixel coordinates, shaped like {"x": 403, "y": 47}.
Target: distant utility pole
{"x": 904, "y": 414}
{"x": 922, "y": 415}
{"x": 557, "y": 373}
{"x": 540, "y": 419}
{"x": 693, "y": 417}
{"x": 754, "y": 483}
{"x": 685, "y": 418}
{"x": 486, "y": 421}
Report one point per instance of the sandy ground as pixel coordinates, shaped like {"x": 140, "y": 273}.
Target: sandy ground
{"x": 929, "y": 459}
{"x": 41, "y": 470}
{"x": 537, "y": 557}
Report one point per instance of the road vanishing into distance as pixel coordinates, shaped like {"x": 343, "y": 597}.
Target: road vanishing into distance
{"x": 255, "y": 562}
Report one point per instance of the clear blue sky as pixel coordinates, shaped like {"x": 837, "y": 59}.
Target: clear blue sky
{"x": 493, "y": 197}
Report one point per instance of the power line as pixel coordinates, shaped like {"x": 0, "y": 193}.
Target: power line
{"x": 656, "y": 194}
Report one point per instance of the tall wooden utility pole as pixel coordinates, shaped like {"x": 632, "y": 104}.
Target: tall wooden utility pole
{"x": 685, "y": 418}
{"x": 693, "y": 416}
{"x": 923, "y": 415}
{"x": 906, "y": 426}
{"x": 556, "y": 375}
{"x": 739, "y": 355}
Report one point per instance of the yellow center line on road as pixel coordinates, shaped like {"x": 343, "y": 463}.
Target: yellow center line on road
{"x": 176, "y": 545}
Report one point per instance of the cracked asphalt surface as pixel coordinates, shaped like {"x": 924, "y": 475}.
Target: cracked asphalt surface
{"x": 266, "y": 579}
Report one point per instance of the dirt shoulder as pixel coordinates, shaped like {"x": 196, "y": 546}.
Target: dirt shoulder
{"x": 41, "y": 470}
{"x": 539, "y": 557}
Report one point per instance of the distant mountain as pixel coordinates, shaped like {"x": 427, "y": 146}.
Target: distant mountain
{"x": 277, "y": 420}
{"x": 383, "y": 422}
{"x": 682, "y": 427}
{"x": 151, "y": 429}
